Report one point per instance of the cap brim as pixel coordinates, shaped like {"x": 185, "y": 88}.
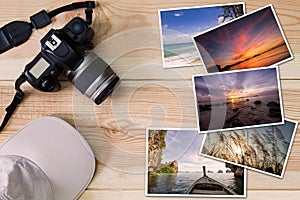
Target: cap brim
{"x": 59, "y": 150}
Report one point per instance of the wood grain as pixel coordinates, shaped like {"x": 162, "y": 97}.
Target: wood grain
{"x": 139, "y": 194}
{"x": 127, "y": 37}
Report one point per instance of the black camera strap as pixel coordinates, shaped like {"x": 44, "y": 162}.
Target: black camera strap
{"x": 16, "y": 33}
{"x": 73, "y": 6}
{"x": 18, "y": 98}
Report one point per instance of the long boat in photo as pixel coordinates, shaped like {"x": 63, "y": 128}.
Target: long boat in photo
{"x": 209, "y": 186}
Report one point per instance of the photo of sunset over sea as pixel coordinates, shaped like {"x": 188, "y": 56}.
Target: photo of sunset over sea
{"x": 252, "y": 41}
{"x": 238, "y": 99}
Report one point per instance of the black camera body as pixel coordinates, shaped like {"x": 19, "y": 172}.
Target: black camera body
{"x": 65, "y": 51}
{"x": 62, "y": 50}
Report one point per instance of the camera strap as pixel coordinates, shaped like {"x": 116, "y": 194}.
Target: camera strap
{"x": 18, "y": 98}
{"x": 16, "y": 33}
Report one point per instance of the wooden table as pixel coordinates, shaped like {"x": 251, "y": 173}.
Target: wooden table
{"x": 127, "y": 36}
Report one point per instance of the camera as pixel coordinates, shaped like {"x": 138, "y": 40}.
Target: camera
{"x": 63, "y": 51}
{"x": 67, "y": 51}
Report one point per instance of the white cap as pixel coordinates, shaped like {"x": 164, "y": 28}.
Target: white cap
{"x": 48, "y": 159}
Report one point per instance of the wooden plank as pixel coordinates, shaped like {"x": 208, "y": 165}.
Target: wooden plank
{"x": 139, "y": 194}
{"x": 144, "y": 103}
{"x": 167, "y": 102}
{"x": 136, "y": 66}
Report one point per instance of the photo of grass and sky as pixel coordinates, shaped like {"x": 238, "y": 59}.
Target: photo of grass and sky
{"x": 179, "y": 25}
{"x": 238, "y": 99}
{"x": 264, "y": 149}
{"x": 252, "y": 41}
{"x": 174, "y": 164}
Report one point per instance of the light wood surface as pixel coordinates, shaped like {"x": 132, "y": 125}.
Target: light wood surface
{"x": 127, "y": 36}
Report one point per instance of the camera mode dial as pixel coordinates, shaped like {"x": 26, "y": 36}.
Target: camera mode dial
{"x": 78, "y": 30}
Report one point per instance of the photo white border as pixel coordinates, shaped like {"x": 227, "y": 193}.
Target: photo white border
{"x": 241, "y": 17}
{"x": 252, "y": 168}
{"x": 186, "y": 195}
{"x": 186, "y": 8}
{"x": 238, "y": 71}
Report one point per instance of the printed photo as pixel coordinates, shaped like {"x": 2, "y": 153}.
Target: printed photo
{"x": 175, "y": 168}
{"x": 264, "y": 149}
{"x": 238, "y": 99}
{"x": 180, "y": 24}
{"x": 251, "y": 41}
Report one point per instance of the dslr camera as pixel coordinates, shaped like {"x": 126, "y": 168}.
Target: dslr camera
{"x": 66, "y": 51}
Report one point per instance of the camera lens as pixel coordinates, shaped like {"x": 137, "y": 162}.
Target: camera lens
{"x": 107, "y": 91}
{"x": 94, "y": 78}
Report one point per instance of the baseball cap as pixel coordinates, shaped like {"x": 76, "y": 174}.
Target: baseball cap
{"x": 47, "y": 159}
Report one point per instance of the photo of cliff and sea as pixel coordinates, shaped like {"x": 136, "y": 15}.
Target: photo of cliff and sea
{"x": 176, "y": 168}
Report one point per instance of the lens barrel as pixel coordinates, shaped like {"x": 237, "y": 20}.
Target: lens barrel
{"x": 94, "y": 78}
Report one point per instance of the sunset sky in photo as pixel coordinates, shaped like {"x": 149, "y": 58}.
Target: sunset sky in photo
{"x": 240, "y": 84}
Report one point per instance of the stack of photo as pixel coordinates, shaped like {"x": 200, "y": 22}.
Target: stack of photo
{"x": 238, "y": 103}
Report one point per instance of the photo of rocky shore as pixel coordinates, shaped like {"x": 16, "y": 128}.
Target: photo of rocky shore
{"x": 238, "y": 99}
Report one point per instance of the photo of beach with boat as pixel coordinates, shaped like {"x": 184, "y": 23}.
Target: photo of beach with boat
{"x": 175, "y": 168}
{"x": 180, "y": 24}
{"x": 238, "y": 99}
{"x": 264, "y": 149}
{"x": 252, "y": 41}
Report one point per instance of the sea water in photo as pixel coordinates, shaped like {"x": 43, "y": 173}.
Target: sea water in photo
{"x": 247, "y": 111}
{"x": 180, "y": 54}
{"x": 180, "y": 183}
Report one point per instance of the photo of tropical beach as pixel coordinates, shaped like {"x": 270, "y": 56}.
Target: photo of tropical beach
{"x": 263, "y": 149}
{"x": 180, "y": 24}
{"x": 238, "y": 99}
{"x": 252, "y": 41}
{"x": 175, "y": 168}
